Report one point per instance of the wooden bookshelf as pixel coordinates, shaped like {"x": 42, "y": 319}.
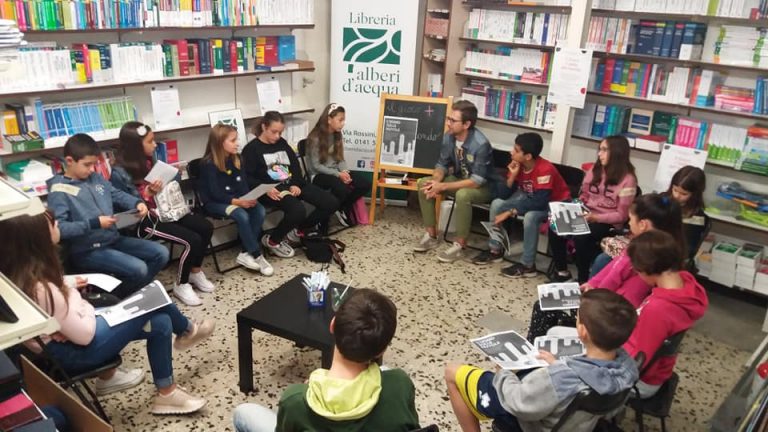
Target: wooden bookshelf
{"x": 429, "y": 65}
{"x": 470, "y": 75}
{"x": 171, "y": 28}
{"x": 507, "y": 43}
{"x": 304, "y": 66}
{"x": 513, "y": 123}
{"x": 526, "y": 6}
{"x": 675, "y": 17}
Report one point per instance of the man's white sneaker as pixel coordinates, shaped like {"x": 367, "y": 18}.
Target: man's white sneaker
{"x": 453, "y": 253}
{"x": 122, "y": 379}
{"x": 283, "y": 249}
{"x": 201, "y": 282}
{"x": 186, "y": 294}
{"x": 426, "y": 243}
{"x": 178, "y": 402}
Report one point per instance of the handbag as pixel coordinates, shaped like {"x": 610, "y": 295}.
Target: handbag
{"x": 324, "y": 250}
{"x": 171, "y": 204}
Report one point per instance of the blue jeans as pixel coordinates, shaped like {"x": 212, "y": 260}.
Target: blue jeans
{"x": 134, "y": 261}
{"x": 156, "y": 327}
{"x": 248, "y": 220}
{"x": 249, "y": 417}
{"x": 599, "y": 263}
{"x": 531, "y": 222}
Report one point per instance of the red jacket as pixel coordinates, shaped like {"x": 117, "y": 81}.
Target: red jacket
{"x": 662, "y": 314}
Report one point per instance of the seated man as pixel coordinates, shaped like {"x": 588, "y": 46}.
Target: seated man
{"x": 354, "y": 394}
{"x": 538, "y": 400}
{"x": 463, "y": 170}
{"x": 534, "y": 182}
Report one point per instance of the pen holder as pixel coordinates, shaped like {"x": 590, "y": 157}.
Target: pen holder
{"x": 316, "y": 298}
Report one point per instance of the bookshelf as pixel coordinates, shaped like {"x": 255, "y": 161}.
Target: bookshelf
{"x": 435, "y": 30}
{"x": 169, "y": 28}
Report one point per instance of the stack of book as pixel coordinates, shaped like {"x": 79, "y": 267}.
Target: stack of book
{"x": 66, "y": 119}
{"x": 761, "y": 96}
{"x": 45, "y": 15}
{"x": 506, "y": 104}
{"x": 658, "y": 82}
{"x": 747, "y": 263}
{"x": 519, "y": 27}
{"x": 10, "y": 36}
{"x": 754, "y": 157}
{"x": 436, "y": 27}
{"x": 750, "y": 9}
{"x": 167, "y": 151}
{"x": 761, "y": 278}
{"x": 526, "y": 65}
{"x": 724, "y": 257}
{"x": 738, "y": 99}
{"x": 725, "y": 144}
{"x": 737, "y": 45}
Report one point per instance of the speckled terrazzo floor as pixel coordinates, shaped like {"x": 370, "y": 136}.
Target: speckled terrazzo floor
{"x": 439, "y": 306}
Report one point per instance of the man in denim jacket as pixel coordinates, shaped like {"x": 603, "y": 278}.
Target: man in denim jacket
{"x": 464, "y": 171}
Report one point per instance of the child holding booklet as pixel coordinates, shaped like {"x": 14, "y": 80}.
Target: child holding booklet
{"x": 135, "y": 158}
{"x": 538, "y": 400}
{"x": 28, "y": 256}
{"x": 221, "y": 185}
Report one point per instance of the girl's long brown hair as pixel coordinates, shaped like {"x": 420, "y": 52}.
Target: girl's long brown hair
{"x": 130, "y": 154}
{"x": 29, "y": 258}
{"x": 619, "y": 164}
{"x": 214, "y": 151}
{"x": 693, "y": 180}
{"x": 320, "y": 134}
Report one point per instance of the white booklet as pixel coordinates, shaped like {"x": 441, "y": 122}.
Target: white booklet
{"x": 560, "y": 346}
{"x": 258, "y": 191}
{"x": 143, "y": 301}
{"x": 497, "y": 233}
{"x": 104, "y": 281}
{"x": 509, "y": 350}
{"x": 568, "y": 218}
{"x": 163, "y": 172}
{"x": 559, "y": 296}
{"x": 127, "y": 218}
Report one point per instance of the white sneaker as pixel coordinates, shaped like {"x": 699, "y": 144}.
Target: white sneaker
{"x": 343, "y": 220}
{"x": 283, "y": 250}
{"x": 122, "y": 379}
{"x": 178, "y": 402}
{"x": 453, "y": 253}
{"x": 201, "y": 282}
{"x": 264, "y": 267}
{"x": 187, "y": 295}
{"x": 293, "y": 236}
{"x": 426, "y": 243}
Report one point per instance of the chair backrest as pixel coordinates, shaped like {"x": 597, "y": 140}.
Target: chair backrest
{"x": 668, "y": 348}
{"x": 501, "y": 158}
{"x": 573, "y": 178}
{"x": 594, "y": 404}
{"x": 193, "y": 172}
{"x": 301, "y": 152}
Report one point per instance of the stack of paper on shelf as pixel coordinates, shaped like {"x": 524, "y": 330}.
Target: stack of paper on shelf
{"x": 747, "y": 263}
{"x": 724, "y": 258}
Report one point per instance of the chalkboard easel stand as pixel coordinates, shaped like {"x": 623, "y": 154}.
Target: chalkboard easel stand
{"x": 437, "y": 109}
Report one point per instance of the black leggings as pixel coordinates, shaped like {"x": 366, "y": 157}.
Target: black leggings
{"x": 347, "y": 194}
{"x": 587, "y": 248}
{"x": 192, "y": 231}
{"x": 294, "y": 212}
{"x": 542, "y": 321}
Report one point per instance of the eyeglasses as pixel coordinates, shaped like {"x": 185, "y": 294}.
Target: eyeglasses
{"x": 452, "y": 120}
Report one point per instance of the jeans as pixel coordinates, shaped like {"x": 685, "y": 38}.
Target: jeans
{"x": 156, "y": 327}
{"x": 248, "y": 220}
{"x": 134, "y": 261}
{"x": 599, "y": 263}
{"x": 249, "y": 417}
{"x": 531, "y": 222}
{"x": 462, "y": 212}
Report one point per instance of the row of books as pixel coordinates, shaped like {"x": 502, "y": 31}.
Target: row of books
{"x": 749, "y": 9}
{"x": 528, "y": 65}
{"x": 44, "y": 65}
{"x": 737, "y": 45}
{"x": 518, "y": 27}
{"x": 506, "y": 104}
{"x": 657, "y": 82}
{"x": 65, "y": 119}
{"x": 106, "y": 14}
{"x": 680, "y": 40}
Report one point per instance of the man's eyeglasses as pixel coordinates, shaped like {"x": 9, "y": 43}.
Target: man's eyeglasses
{"x": 452, "y": 120}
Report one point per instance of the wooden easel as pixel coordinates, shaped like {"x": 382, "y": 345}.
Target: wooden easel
{"x": 380, "y": 170}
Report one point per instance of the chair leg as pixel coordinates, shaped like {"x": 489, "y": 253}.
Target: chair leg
{"x": 96, "y": 403}
{"x": 448, "y": 223}
{"x": 216, "y": 264}
{"x": 639, "y": 420}
{"x": 663, "y": 425}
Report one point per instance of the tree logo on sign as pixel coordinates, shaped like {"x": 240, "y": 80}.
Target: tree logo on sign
{"x": 365, "y": 45}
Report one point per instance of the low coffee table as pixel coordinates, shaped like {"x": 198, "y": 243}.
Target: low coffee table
{"x": 285, "y": 312}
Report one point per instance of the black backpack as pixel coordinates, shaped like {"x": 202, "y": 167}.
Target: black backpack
{"x": 324, "y": 250}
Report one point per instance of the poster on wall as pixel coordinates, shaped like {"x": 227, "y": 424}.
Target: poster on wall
{"x": 373, "y": 51}
{"x": 398, "y": 143}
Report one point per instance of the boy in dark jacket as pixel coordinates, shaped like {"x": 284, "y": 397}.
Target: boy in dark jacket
{"x": 354, "y": 395}
{"x": 536, "y": 402}
{"x": 83, "y": 203}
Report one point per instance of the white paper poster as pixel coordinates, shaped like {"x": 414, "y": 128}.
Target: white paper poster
{"x": 166, "y": 107}
{"x": 373, "y": 51}
{"x": 570, "y": 76}
{"x": 270, "y": 98}
{"x": 674, "y": 157}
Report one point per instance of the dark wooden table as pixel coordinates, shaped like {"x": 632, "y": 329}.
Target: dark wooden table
{"x": 285, "y": 312}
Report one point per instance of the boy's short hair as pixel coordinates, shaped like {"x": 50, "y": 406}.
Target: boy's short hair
{"x": 654, "y": 252}
{"x": 608, "y": 317}
{"x": 81, "y": 145}
{"x": 365, "y": 325}
{"x": 530, "y": 143}
{"x": 468, "y": 111}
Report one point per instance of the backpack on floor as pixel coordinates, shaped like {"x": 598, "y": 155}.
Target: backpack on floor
{"x": 324, "y": 250}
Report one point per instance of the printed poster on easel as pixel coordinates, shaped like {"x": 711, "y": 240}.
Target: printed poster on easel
{"x": 399, "y": 141}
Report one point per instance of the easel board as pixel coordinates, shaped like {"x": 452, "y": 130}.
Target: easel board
{"x": 408, "y": 139}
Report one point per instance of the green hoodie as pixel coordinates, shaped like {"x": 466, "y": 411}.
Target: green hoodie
{"x": 374, "y": 401}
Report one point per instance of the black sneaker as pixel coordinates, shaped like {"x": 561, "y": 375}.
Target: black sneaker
{"x": 556, "y": 277}
{"x": 519, "y": 271}
{"x": 487, "y": 257}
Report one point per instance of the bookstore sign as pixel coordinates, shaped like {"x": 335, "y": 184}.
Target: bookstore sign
{"x": 373, "y": 51}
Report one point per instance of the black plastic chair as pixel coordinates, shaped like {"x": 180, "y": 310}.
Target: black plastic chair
{"x": 193, "y": 171}
{"x": 430, "y": 428}
{"x": 301, "y": 152}
{"x": 660, "y": 404}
